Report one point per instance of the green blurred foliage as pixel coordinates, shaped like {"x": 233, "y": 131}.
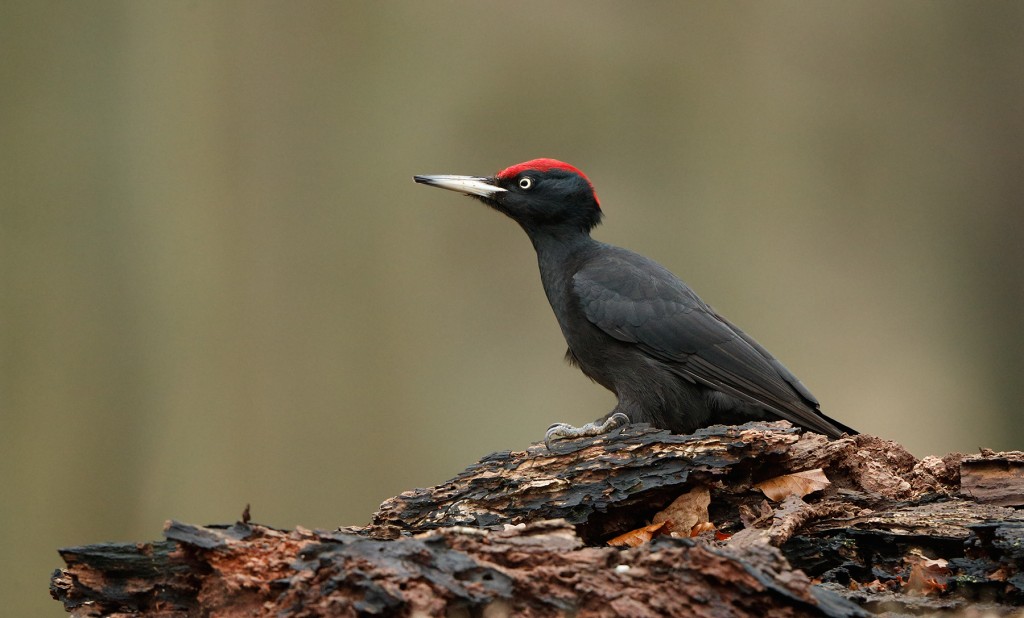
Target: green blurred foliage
{"x": 220, "y": 285}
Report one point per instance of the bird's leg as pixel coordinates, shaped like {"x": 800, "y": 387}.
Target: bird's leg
{"x": 562, "y": 431}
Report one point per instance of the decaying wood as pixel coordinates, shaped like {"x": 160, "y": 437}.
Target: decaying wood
{"x": 525, "y": 533}
{"x": 994, "y": 478}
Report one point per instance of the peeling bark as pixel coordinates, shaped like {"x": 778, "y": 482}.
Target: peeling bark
{"x": 525, "y": 533}
{"x": 994, "y": 478}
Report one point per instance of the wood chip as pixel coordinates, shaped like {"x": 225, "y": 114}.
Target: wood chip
{"x": 797, "y": 484}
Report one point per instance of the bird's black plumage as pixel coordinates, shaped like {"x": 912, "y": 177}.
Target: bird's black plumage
{"x": 633, "y": 326}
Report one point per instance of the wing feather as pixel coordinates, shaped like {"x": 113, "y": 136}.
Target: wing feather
{"x": 637, "y": 301}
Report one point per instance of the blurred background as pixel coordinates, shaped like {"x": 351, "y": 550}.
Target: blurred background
{"x": 220, "y": 285}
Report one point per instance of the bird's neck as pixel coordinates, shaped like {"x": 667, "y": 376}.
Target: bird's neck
{"x": 556, "y": 246}
{"x": 559, "y": 256}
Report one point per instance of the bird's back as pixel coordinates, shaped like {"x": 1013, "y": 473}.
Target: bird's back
{"x": 695, "y": 357}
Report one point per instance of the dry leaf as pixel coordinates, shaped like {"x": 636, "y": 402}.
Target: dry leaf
{"x": 703, "y": 527}
{"x": 635, "y": 538}
{"x": 686, "y": 511}
{"x": 928, "y": 577}
{"x": 873, "y": 586}
{"x": 937, "y": 565}
{"x": 797, "y": 484}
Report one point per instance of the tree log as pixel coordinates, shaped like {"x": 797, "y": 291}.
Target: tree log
{"x": 756, "y": 520}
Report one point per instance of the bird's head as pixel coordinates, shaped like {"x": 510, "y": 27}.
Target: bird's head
{"x": 542, "y": 195}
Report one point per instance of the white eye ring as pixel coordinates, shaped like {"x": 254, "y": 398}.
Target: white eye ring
{"x": 526, "y": 183}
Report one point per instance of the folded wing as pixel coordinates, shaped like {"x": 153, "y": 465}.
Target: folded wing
{"x": 637, "y": 301}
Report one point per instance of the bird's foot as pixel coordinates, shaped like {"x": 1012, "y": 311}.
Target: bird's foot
{"x": 563, "y": 431}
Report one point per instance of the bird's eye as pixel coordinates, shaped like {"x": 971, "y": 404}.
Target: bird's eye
{"x": 526, "y": 182}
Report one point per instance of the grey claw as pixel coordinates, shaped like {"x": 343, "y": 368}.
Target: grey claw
{"x": 616, "y": 420}
{"x": 556, "y": 431}
{"x": 562, "y": 431}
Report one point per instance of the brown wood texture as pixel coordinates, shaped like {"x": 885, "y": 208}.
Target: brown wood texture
{"x": 525, "y": 533}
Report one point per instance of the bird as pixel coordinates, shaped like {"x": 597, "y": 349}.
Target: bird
{"x": 630, "y": 324}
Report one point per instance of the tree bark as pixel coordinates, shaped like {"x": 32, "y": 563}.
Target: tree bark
{"x": 864, "y": 529}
